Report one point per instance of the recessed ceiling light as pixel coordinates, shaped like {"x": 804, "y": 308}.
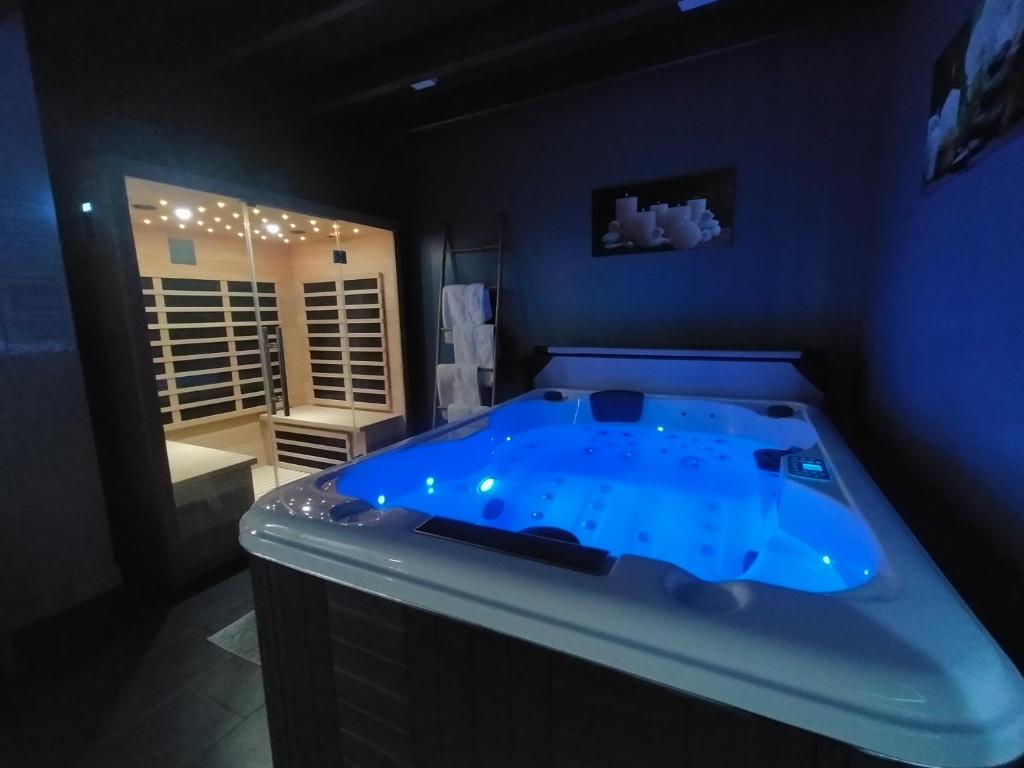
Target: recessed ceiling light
{"x": 241, "y": 234}
{"x": 691, "y": 5}
{"x": 302, "y": 237}
{"x": 272, "y": 228}
{"x": 147, "y": 221}
{"x": 355, "y": 230}
{"x": 256, "y": 231}
{"x": 280, "y": 234}
{"x": 183, "y": 213}
{"x": 210, "y": 230}
{"x": 221, "y": 204}
{"x": 286, "y": 240}
{"x": 163, "y": 202}
{"x": 263, "y": 237}
{"x": 284, "y": 216}
{"x": 201, "y": 208}
{"x": 236, "y": 214}
{"x": 316, "y": 229}
{"x": 256, "y": 211}
{"x": 217, "y": 219}
{"x": 181, "y": 226}
{"x": 200, "y": 222}
{"x": 163, "y": 218}
{"x": 227, "y": 226}
{"x": 264, "y": 220}
{"x": 422, "y": 85}
{"x": 291, "y": 224}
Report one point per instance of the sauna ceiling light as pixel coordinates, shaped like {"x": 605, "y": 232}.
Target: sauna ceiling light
{"x": 422, "y": 85}
{"x": 183, "y": 213}
{"x": 272, "y": 228}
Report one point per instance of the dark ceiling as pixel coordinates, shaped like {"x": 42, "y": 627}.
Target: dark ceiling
{"x": 352, "y": 62}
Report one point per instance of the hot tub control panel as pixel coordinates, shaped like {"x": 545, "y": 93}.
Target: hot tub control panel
{"x": 807, "y": 467}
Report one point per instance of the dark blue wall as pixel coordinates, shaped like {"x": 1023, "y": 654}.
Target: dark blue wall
{"x": 944, "y": 305}
{"x": 796, "y": 117}
{"x": 54, "y": 547}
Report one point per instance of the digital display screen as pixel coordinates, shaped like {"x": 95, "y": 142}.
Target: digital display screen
{"x": 812, "y": 466}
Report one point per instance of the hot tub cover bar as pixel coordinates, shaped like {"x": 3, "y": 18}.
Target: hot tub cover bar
{"x": 895, "y": 665}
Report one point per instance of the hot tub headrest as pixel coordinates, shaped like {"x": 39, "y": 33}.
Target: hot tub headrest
{"x": 617, "y": 405}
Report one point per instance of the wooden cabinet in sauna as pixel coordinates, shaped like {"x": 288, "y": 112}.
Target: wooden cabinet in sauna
{"x": 312, "y": 438}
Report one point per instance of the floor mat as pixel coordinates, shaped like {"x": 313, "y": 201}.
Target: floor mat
{"x": 240, "y": 638}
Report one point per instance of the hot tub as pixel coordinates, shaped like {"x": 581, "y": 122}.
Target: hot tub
{"x": 725, "y": 548}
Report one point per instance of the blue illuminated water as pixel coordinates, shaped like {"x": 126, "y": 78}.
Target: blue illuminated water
{"x": 660, "y": 488}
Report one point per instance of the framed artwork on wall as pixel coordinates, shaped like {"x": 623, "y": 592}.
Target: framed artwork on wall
{"x": 680, "y": 214}
{"x": 977, "y": 89}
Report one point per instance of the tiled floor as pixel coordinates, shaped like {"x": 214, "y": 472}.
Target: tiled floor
{"x": 158, "y": 695}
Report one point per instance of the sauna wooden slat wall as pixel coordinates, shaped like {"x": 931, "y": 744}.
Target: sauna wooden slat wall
{"x": 205, "y": 345}
{"x": 347, "y": 342}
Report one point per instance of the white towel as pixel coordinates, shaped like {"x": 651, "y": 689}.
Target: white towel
{"x": 457, "y": 384}
{"x": 465, "y": 305}
{"x": 457, "y": 411}
{"x": 474, "y": 345}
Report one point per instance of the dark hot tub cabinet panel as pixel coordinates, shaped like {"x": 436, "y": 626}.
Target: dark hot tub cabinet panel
{"x": 354, "y": 680}
{"x": 653, "y": 559}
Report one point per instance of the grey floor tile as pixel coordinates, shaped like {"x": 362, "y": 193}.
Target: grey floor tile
{"x": 237, "y": 684}
{"x": 171, "y": 735}
{"x": 247, "y": 746}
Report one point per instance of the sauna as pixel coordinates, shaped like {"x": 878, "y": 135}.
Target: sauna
{"x": 273, "y": 338}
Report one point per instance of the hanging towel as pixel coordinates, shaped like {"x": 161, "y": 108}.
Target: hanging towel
{"x": 474, "y": 345}
{"x": 465, "y": 305}
{"x": 457, "y": 384}
{"x": 457, "y": 411}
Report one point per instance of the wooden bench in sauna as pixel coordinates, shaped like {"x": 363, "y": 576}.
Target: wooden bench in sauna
{"x": 316, "y": 437}
{"x": 212, "y": 490}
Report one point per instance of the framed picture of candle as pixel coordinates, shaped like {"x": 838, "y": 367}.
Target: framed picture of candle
{"x": 681, "y": 214}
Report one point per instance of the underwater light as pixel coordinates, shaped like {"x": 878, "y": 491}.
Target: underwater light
{"x": 826, "y": 560}
{"x": 485, "y": 485}
{"x": 661, "y": 429}
{"x": 183, "y": 213}
{"x": 86, "y": 207}
{"x": 430, "y": 481}
{"x": 381, "y": 499}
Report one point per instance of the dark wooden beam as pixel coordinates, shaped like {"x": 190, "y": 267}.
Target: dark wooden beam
{"x": 513, "y": 31}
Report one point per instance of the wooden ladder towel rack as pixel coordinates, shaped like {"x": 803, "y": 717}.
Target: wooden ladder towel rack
{"x": 493, "y": 250}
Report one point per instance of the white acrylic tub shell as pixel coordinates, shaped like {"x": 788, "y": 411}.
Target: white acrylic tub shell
{"x": 899, "y": 667}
